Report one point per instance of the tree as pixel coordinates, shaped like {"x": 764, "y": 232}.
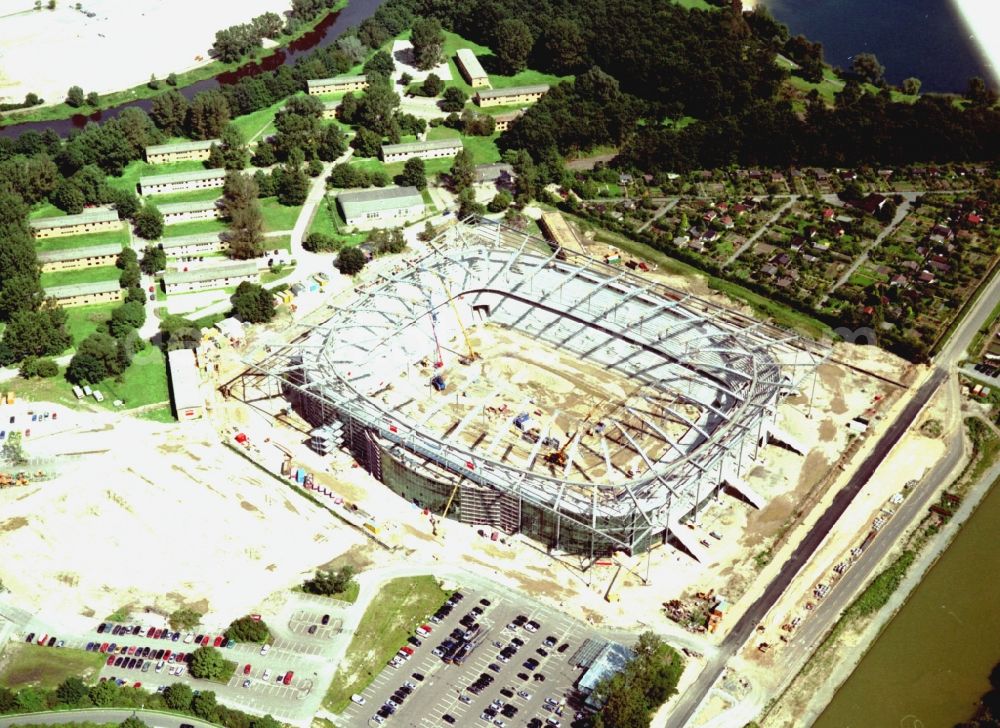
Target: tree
{"x": 387, "y": 241}
{"x": 126, "y": 202}
{"x": 910, "y": 86}
{"x": 867, "y": 67}
{"x": 68, "y": 198}
{"x": 132, "y": 722}
{"x": 513, "y": 44}
{"x": 71, "y": 691}
{"x": 252, "y": 303}
{"x": 233, "y": 148}
{"x": 103, "y": 694}
{"x": 414, "y": 173}
{"x": 20, "y": 292}
{"x": 125, "y": 319}
{"x": 38, "y": 367}
{"x": 380, "y": 64}
{"x": 500, "y": 202}
{"x": 432, "y": 85}
{"x": 248, "y": 629}
{"x": 207, "y": 663}
{"x": 327, "y": 582}
{"x": 153, "y": 82}
{"x": 184, "y": 618}
{"x": 428, "y": 41}
{"x": 203, "y": 704}
{"x": 169, "y": 112}
{"x": 292, "y": 186}
{"x": 377, "y": 107}
{"x": 74, "y": 97}
{"x": 468, "y": 205}
{"x": 209, "y": 115}
{"x": 178, "y": 697}
{"x": 454, "y": 99}
{"x": 350, "y": 261}
{"x": 96, "y": 358}
{"x": 366, "y": 143}
{"x": 463, "y": 170}
{"x": 565, "y": 45}
{"x": 246, "y": 222}
{"x": 171, "y": 79}
{"x": 93, "y": 99}
{"x": 320, "y": 243}
{"x": 149, "y": 222}
{"x": 32, "y": 332}
{"x": 177, "y": 332}
{"x": 979, "y": 94}
{"x": 130, "y": 276}
{"x": 331, "y": 143}
{"x": 126, "y": 258}
{"x": 8, "y": 700}
{"x": 405, "y": 80}
{"x": 154, "y": 259}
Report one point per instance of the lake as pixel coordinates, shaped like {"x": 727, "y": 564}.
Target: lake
{"x": 923, "y": 38}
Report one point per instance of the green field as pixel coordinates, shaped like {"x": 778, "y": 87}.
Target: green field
{"x": 46, "y": 667}
{"x": 81, "y": 321}
{"x": 82, "y": 241}
{"x": 45, "y": 209}
{"x": 258, "y": 123}
{"x": 278, "y": 242}
{"x": 277, "y": 216}
{"x": 81, "y": 275}
{"x": 144, "y": 382}
{"x": 326, "y": 224}
{"x": 193, "y": 228}
{"x": 453, "y": 41}
{"x": 279, "y": 272}
{"x": 390, "y": 618}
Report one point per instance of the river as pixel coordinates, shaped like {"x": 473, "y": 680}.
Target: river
{"x": 325, "y": 32}
{"x": 931, "y": 664}
{"x": 924, "y": 38}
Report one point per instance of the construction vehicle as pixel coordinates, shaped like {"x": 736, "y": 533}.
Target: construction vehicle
{"x": 558, "y": 457}
{"x": 471, "y": 356}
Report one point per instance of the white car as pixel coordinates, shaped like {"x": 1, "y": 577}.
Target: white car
{"x": 188, "y": 638}
{"x": 266, "y": 675}
{"x": 359, "y": 699}
{"x": 246, "y": 683}
{"x": 265, "y": 649}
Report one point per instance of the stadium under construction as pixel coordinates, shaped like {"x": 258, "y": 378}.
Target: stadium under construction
{"x": 497, "y": 380}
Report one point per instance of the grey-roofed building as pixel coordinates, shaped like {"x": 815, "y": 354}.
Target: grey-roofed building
{"x": 330, "y": 109}
{"x": 180, "y": 181}
{"x": 512, "y": 95}
{"x": 385, "y": 207}
{"x": 198, "y": 243}
{"x": 185, "y": 384}
{"x": 433, "y": 149}
{"x": 211, "y": 276}
{"x": 499, "y": 173}
{"x": 186, "y": 211}
{"x": 338, "y": 84}
{"x": 93, "y": 221}
{"x": 610, "y": 660}
{"x": 83, "y": 294}
{"x": 471, "y": 68}
{"x": 179, "y": 152}
{"x": 74, "y": 258}
{"x": 503, "y": 121}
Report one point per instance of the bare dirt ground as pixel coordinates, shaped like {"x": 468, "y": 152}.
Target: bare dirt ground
{"x": 167, "y": 517}
{"x": 47, "y": 51}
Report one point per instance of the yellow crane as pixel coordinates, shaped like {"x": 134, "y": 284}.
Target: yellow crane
{"x": 472, "y": 355}
{"x": 446, "y": 509}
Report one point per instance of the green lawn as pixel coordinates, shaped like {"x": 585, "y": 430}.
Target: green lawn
{"x": 695, "y": 4}
{"x": 45, "y": 209}
{"x": 144, "y": 382}
{"x": 81, "y": 275}
{"x": 279, "y": 242}
{"x": 277, "y": 216}
{"x": 322, "y": 222}
{"x": 82, "y": 241}
{"x": 281, "y": 271}
{"x": 453, "y": 41}
{"x": 46, "y": 667}
{"x": 134, "y": 170}
{"x": 257, "y": 123}
{"x": 193, "y": 228}
{"x": 81, "y": 321}
{"x": 401, "y": 605}
{"x": 211, "y": 193}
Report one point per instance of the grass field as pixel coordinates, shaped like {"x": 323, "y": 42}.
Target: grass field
{"x": 46, "y": 667}
{"x": 528, "y": 77}
{"x": 257, "y": 123}
{"x": 81, "y": 275}
{"x": 388, "y": 621}
{"x": 144, "y": 382}
{"x": 323, "y": 222}
{"x": 193, "y": 228}
{"x": 82, "y": 241}
{"x": 81, "y": 321}
{"x": 483, "y": 149}
{"x": 277, "y": 216}
{"x": 45, "y": 209}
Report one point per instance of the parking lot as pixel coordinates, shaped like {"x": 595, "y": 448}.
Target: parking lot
{"x": 523, "y": 691}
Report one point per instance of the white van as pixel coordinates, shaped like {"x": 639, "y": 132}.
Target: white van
{"x": 359, "y": 699}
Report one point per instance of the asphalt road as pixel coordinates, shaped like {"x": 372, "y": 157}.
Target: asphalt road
{"x": 745, "y": 627}
{"x": 97, "y": 715}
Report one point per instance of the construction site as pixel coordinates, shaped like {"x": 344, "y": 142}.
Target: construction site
{"x": 505, "y": 381}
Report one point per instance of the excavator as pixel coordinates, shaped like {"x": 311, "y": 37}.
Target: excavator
{"x": 558, "y": 457}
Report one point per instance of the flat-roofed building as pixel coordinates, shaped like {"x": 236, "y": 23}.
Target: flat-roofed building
{"x": 338, "y": 84}
{"x": 84, "y": 294}
{"x": 174, "y": 212}
{"x": 330, "y": 109}
{"x": 471, "y": 68}
{"x": 185, "y": 384}
{"x": 433, "y": 149}
{"x": 503, "y": 121}
{"x": 198, "y": 244}
{"x": 201, "y": 179}
{"x": 214, "y": 276}
{"x": 510, "y": 96}
{"x": 75, "y": 258}
{"x": 179, "y": 152}
{"x": 385, "y": 207}
{"x": 94, "y": 221}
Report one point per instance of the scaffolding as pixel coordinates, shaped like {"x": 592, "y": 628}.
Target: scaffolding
{"x": 718, "y": 377}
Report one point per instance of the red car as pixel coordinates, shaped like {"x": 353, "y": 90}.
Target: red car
{"x": 288, "y": 677}
{"x": 407, "y": 650}
{"x": 246, "y": 670}
{"x": 137, "y": 685}
{"x": 150, "y": 632}
{"x": 166, "y": 655}
{"x": 218, "y": 641}
{"x": 104, "y": 647}
{"x": 157, "y": 634}
{"x": 111, "y": 660}
{"x": 205, "y": 640}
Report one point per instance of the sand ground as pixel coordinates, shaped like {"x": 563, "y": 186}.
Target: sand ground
{"x": 47, "y": 51}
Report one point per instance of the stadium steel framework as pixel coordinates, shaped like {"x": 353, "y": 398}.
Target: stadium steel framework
{"x": 726, "y": 371}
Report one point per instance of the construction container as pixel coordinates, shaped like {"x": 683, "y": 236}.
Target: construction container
{"x": 10, "y": 398}
{"x": 372, "y": 527}
{"x": 300, "y": 476}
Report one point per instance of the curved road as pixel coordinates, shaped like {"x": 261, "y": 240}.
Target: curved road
{"x": 104, "y": 715}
